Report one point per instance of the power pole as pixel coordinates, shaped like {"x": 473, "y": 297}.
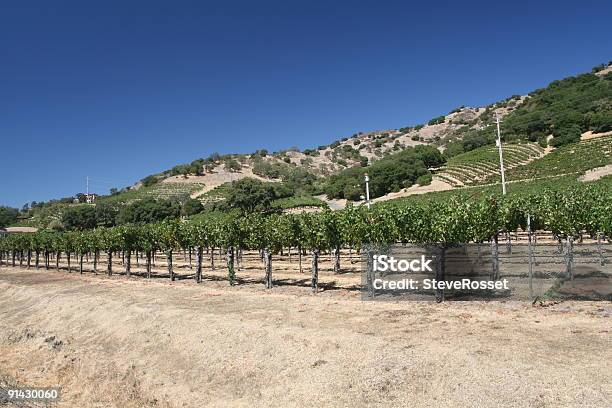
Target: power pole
{"x": 367, "y": 183}
{"x": 501, "y": 156}
{"x": 87, "y": 186}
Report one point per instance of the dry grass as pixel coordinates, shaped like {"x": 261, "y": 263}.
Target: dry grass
{"x": 132, "y": 342}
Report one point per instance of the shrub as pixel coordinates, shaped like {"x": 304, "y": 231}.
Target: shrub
{"x": 437, "y": 121}
{"x": 191, "y": 207}
{"x": 424, "y": 180}
{"x": 232, "y": 165}
{"x": 566, "y": 135}
{"x": 149, "y": 180}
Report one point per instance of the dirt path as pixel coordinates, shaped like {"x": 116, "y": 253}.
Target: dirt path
{"x": 596, "y": 173}
{"x": 132, "y": 342}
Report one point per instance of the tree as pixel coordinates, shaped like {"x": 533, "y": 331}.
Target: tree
{"x": 147, "y": 210}
{"x": 8, "y": 216}
{"x": 150, "y": 180}
{"x": 106, "y": 215}
{"x": 79, "y": 217}
{"x": 191, "y": 207}
{"x": 250, "y": 195}
{"x": 565, "y": 135}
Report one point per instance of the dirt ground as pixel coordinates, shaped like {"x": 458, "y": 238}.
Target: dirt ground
{"x": 133, "y": 342}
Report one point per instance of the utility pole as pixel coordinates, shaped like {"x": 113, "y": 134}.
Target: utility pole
{"x": 367, "y": 183}
{"x": 501, "y": 156}
{"x": 87, "y": 186}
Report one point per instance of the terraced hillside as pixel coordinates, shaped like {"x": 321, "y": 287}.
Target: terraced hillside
{"x": 157, "y": 191}
{"x": 574, "y": 159}
{"x": 482, "y": 164}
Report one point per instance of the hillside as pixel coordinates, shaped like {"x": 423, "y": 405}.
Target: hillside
{"x": 562, "y": 129}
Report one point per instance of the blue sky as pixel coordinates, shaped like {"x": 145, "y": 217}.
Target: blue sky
{"x": 118, "y": 90}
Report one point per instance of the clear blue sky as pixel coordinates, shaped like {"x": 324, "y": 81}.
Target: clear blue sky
{"x": 118, "y": 90}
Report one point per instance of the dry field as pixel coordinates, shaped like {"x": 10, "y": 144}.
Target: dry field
{"x": 136, "y": 342}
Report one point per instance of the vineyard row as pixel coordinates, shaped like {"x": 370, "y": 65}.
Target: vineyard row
{"x": 568, "y": 214}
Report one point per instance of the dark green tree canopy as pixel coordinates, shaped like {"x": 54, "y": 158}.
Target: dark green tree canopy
{"x": 392, "y": 173}
{"x": 79, "y": 217}
{"x": 147, "y": 211}
{"x": 250, "y": 195}
{"x": 8, "y": 216}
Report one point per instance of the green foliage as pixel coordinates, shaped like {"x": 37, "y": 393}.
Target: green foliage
{"x": 163, "y": 191}
{"x": 8, "y": 216}
{"x": 295, "y": 178}
{"x": 388, "y": 174}
{"x": 106, "y": 215}
{"x": 570, "y": 159}
{"x": 566, "y": 135}
{"x": 79, "y": 217}
{"x": 232, "y": 165}
{"x": 445, "y": 220}
{"x": 191, "y": 207}
{"x": 424, "y": 180}
{"x": 470, "y": 141}
{"x": 298, "y": 201}
{"x": 564, "y": 109}
{"x": 150, "y": 180}
{"x": 312, "y": 152}
{"x": 148, "y": 210}
{"x": 250, "y": 195}
{"x": 437, "y": 121}
{"x": 269, "y": 169}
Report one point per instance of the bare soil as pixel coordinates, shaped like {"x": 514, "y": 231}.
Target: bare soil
{"x": 133, "y": 342}
{"x": 597, "y": 173}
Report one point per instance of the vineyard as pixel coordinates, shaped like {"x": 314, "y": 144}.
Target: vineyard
{"x": 481, "y": 164}
{"x": 156, "y": 191}
{"x": 572, "y": 159}
{"x": 568, "y": 214}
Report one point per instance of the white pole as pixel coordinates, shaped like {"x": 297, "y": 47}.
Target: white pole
{"x": 367, "y": 183}
{"x": 501, "y": 156}
{"x": 87, "y": 184}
